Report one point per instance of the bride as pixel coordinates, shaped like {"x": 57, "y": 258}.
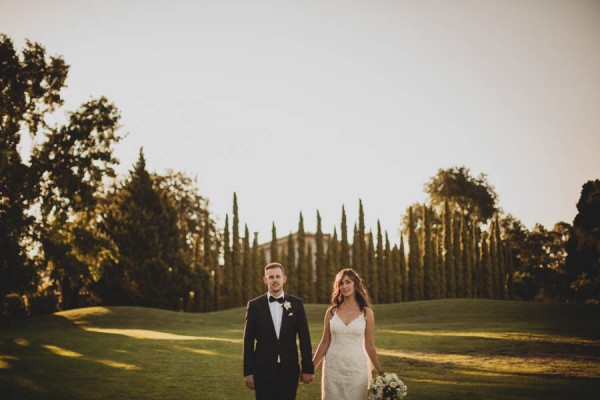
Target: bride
{"x": 348, "y": 341}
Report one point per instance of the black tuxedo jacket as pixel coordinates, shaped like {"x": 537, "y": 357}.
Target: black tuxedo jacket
{"x": 261, "y": 346}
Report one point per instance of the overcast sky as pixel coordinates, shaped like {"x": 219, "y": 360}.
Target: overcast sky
{"x": 306, "y": 105}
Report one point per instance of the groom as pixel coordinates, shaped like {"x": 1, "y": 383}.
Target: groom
{"x": 272, "y": 323}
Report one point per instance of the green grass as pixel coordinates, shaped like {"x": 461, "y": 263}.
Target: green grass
{"x": 446, "y": 349}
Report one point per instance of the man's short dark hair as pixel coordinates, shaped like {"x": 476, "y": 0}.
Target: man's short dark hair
{"x": 274, "y": 265}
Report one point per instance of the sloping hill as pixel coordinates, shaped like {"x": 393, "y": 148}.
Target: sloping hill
{"x": 443, "y": 349}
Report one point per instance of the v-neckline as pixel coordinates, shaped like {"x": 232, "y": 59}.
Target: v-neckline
{"x": 349, "y": 323}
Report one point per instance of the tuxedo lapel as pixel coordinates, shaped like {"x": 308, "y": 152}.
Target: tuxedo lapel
{"x": 269, "y": 317}
{"x": 284, "y": 319}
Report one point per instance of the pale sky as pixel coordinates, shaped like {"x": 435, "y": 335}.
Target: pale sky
{"x": 306, "y": 105}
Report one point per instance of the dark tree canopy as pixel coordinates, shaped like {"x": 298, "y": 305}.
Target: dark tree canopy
{"x": 471, "y": 196}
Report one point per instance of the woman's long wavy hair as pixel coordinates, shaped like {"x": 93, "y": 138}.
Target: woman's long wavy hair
{"x": 362, "y": 296}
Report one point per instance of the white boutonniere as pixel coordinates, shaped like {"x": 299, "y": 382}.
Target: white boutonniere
{"x": 287, "y": 305}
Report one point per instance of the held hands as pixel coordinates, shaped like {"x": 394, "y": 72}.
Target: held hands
{"x": 249, "y": 381}
{"x": 307, "y": 378}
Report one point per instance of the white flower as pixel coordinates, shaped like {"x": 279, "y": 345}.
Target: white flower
{"x": 287, "y": 305}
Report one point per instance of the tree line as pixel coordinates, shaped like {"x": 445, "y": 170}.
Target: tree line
{"x": 72, "y": 233}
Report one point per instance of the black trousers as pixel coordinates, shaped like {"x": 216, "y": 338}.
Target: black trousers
{"x": 280, "y": 386}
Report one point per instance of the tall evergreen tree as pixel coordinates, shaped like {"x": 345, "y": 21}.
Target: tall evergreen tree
{"x": 322, "y": 285}
{"x": 509, "y": 271}
{"x": 449, "y": 253}
{"x": 493, "y": 250}
{"x": 356, "y": 252}
{"x": 381, "y": 289}
{"x": 302, "y": 279}
{"x": 273, "y": 256}
{"x": 501, "y": 266}
{"x": 333, "y": 257}
{"x": 396, "y": 277}
{"x": 247, "y": 275}
{"x": 429, "y": 270}
{"x": 476, "y": 263}
{"x": 311, "y": 291}
{"x": 210, "y": 269}
{"x": 143, "y": 223}
{"x": 362, "y": 246}
{"x": 457, "y": 222}
{"x": 486, "y": 271}
{"x": 292, "y": 275}
{"x": 403, "y": 269}
{"x": 257, "y": 267}
{"x": 415, "y": 276}
{"x": 388, "y": 281}
{"x": 344, "y": 246}
{"x": 236, "y": 257}
{"x": 227, "y": 287}
{"x": 467, "y": 258}
{"x": 441, "y": 271}
{"x": 371, "y": 264}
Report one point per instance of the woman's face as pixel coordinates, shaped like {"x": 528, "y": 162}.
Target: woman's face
{"x": 346, "y": 286}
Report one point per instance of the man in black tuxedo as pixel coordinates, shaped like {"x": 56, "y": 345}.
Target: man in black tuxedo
{"x": 273, "y": 321}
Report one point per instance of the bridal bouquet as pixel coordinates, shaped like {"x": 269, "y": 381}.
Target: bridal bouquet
{"x": 387, "y": 386}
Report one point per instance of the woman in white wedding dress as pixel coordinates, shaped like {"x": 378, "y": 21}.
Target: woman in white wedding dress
{"x": 348, "y": 343}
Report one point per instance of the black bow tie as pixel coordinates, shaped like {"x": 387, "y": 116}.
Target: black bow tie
{"x": 279, "y": 300}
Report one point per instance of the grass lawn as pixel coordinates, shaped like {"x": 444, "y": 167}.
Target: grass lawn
{"x": 443, "y": 349}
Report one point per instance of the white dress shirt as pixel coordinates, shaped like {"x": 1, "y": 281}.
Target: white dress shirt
{"x": 276, "y": 312}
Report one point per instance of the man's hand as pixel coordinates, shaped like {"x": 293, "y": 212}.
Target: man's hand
{"x": 249, "y": 381}
{"x": 307, "y": 378}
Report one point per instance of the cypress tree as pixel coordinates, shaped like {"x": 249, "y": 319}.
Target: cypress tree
{"x": 509, "y": 271}
{"x": 493, "y": 252}
{"x": 247, "y": 275}
{"x": 362, "y": 246}
{"x": 372, "y": 263}
{"x": 210, "y": 270}
{"x": 415, "y": 277}
{"x": 388, "y": 281}
{"x": 322, "y": 283}
{"x": 503, "y": 293}
{"x": 356, "y": 252}
{"x": 396, "y": 277}
{"x": 344, "y": 246}
{"x": 449, "y": 253}
{"x": 236, "y": 258}
{"x": 273, "y": 256}
{"x": 486, "y": 271}
{"x": 476, "y": 263}
{"x": 302, "y": 276}
{"x": 403, "y": 270}
{"x": 380, "y": 265}
{"x": 333, "y": 256}
{"x": 257, "y": 267}
{"x": 442, "y": 285}
{"x": 467, "y": 259}
{"x": 292, "y": 276}
{"x": 429, "y": 270}
{"x": 311, "y": 291}
{"x": 227, "y": 287}
{"x": 458, "y": 257}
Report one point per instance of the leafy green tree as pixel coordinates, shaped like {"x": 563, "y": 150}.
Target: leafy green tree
{"x": 471, "y": 196}
{"x": 583, "y": 246}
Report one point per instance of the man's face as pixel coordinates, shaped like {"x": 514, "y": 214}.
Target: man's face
{"x": 274, "y": 279}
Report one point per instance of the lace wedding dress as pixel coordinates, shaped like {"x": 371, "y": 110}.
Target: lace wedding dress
{"x": 346, "y": 369}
